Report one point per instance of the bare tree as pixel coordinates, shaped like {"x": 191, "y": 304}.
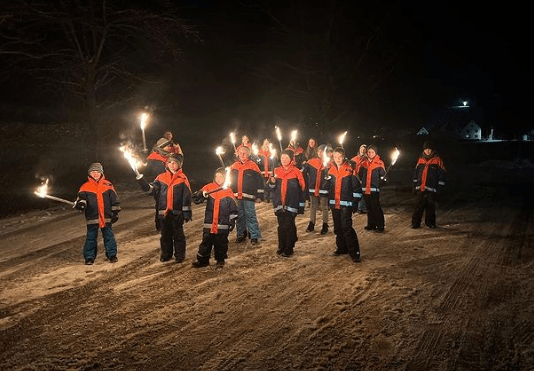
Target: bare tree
{"x": 94, "y": 52}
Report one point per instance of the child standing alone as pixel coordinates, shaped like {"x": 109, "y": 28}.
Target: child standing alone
{"x": 98, "y": 199}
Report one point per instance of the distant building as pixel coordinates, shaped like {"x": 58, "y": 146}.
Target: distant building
{"x": 471, "y": 131}
{"x": 422, "y": 131}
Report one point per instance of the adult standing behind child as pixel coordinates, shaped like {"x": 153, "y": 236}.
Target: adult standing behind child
{"x": 98, "y": 199}
{"x": 428, "y": 177}
{"x": 289, "y": 190}
{"x": 219, "y": 220}
{"x": 173, "y": 202}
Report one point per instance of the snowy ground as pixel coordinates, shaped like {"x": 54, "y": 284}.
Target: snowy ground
{"x": 460, "y": 297}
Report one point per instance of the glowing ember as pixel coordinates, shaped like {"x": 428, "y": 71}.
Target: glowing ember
{"x": 42, "y": 189}
{"x": 219, "y": 151}
{"x": 272, "y": 151}
{"x": 255, "y": 149}
{"x": 278, "y": 133}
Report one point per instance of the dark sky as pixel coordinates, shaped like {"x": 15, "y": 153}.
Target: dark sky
{"x": 430, "y": 56}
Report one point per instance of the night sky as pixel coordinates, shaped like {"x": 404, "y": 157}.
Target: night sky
{"x": 426, "y": 57}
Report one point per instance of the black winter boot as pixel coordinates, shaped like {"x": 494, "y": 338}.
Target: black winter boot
{"x": 311, "y": 227}
{"x": 324, "y": 230}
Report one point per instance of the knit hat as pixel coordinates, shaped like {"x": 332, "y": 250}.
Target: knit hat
{"x": 363, "y": 146}
{"x": 95, "y": 166}
{"x": 163, "y": 142}
{"x": 322, "y": 148}
{"x": 179, "y": 159}
{"x": 340, "y": 150}
{"x": 372, "y": 147}
{"x": 428, "y": 145}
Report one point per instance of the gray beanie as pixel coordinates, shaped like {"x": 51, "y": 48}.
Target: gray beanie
{"x": 95, "y": 166}
{"x": 163, "y": 142}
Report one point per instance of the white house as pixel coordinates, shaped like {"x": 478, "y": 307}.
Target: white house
{"x": 471, "y": 131}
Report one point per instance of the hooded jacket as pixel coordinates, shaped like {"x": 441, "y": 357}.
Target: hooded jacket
{"x": 289, "y": 190}
{"x": 172, "y": 193}
{"x": 429, "y": 173}
{"x": 101, "y": 201}
{"x": 246, "y": 180}
{"x": 371, "y": 171}
{"x": 221, "y": 210}
{"x": 313, "y": 171}
{"x": 344, "y": 187}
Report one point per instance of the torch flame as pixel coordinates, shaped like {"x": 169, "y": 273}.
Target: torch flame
{"x": 232, "y": 137}
{"x": 144, "y": 120}
{"x": 395, "y": 156}
{"x": 341, "y": 138}
{"x": 227, "y": 180}
{"x": 42, "y": 189}
{"x": 132, "y": 160}
{"x": 255, "y": 149}
{"x": 278, "y": 133}
{"x": 326, "y": 159}
{"x": 219, "y": 151}
{"x": 272, "y": 151}
{"x": 293, "y": 136}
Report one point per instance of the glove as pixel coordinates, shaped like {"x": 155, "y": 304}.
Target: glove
{"x": 188, "y": 215}
{"x": 144, "y": 184}
{"x": 80, "y": 205}
{"x": 198, "y": 197}
{"x": 114, "y": 218}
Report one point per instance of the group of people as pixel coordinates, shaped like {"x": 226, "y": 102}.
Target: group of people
{"x": 322, "y": 175}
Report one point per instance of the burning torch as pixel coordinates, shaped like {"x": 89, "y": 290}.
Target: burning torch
{"x": 132, "y": 160}
{"x": 219, "y": 151}
{"x": 144, "y": 120}
{"x": 232, "y": 139}
{"x": 42, "y": 190}
{"x": 294, "y": 138}
{"x": 394, "y": 156}
{"x": 279, "y": 136}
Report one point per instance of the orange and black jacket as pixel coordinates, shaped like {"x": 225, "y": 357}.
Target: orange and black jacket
{"x": 356, "y": 163}
{"x": 172, "y": 193}
{"x": 289, "y": 191}
{"x": 429, "y": 173}
{"x": 221, "y": 210}
{"x": 343, "y": 186}
{"x": 101, "y": 201}
{"x": 370, "y": 173}
{"x": 246, "y": 180}
{"x": 314, "y": 173}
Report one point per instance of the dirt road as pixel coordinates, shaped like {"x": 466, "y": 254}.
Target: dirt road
{"x": 460, "y": 297}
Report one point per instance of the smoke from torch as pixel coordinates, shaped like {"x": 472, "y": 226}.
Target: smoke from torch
{"x": 219, "y": 151}
{"x": 341, "y": 139}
